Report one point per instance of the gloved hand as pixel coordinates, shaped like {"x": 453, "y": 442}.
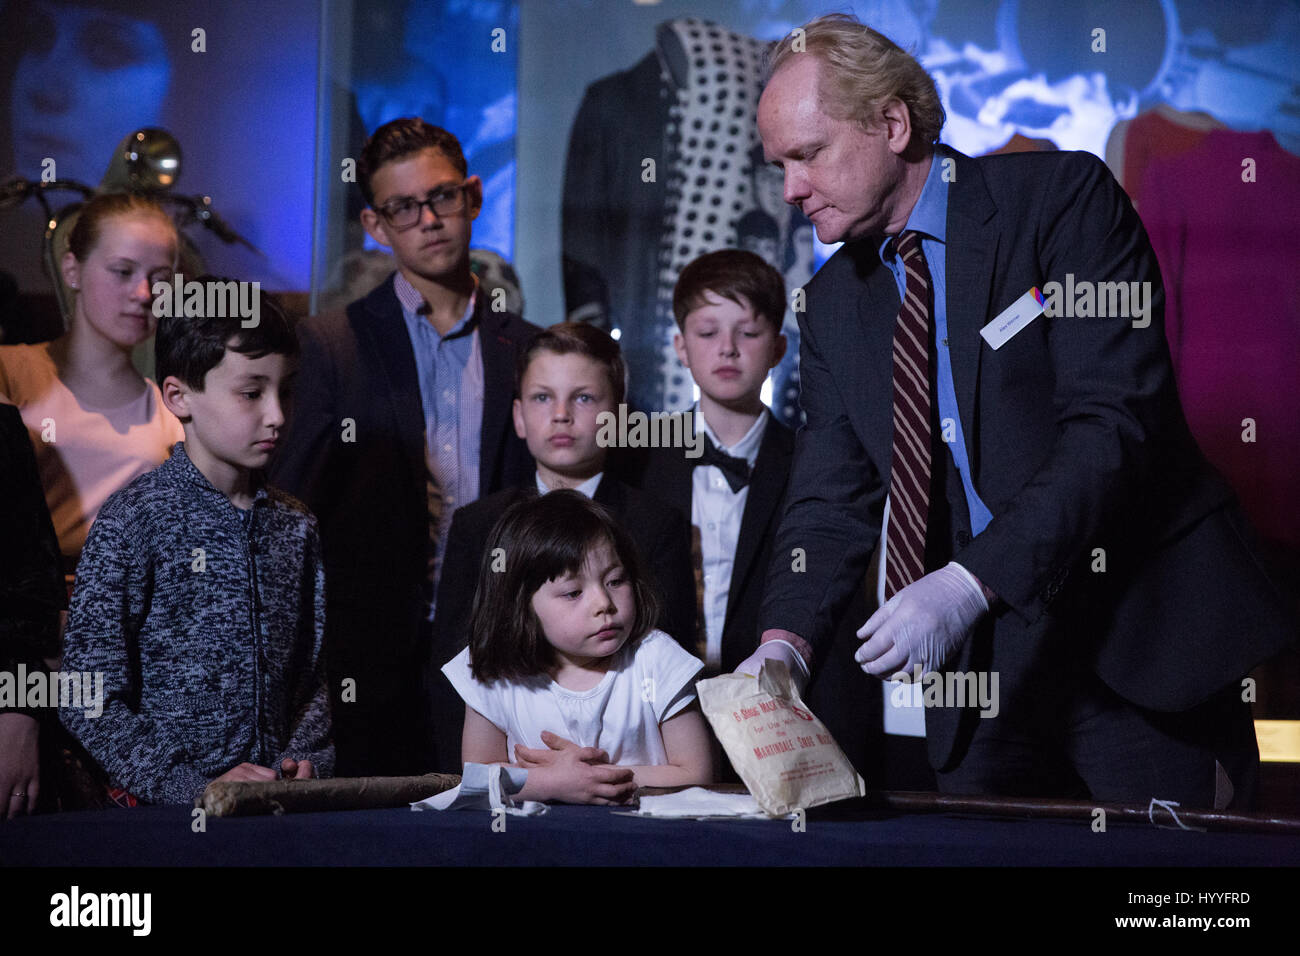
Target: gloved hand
{"x": 923, "y": 624}
{"x": 781, "y": 651}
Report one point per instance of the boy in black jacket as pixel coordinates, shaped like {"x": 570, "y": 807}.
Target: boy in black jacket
{"x": 402, "y": 414}
{"x": 729, "y": 306}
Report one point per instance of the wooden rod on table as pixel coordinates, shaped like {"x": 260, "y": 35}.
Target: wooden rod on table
{"x": 223, "y": 798}
{"x": 923, "y": 802}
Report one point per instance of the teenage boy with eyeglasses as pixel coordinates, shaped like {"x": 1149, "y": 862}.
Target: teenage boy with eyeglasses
{"x": 402, "y": 415}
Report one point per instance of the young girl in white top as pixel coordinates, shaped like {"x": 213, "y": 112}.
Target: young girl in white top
{"x": 94, "y": 421}
{"x": 563, "y": 674}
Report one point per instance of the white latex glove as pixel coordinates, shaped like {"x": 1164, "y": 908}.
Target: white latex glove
{"x": 780, "y": 651}
{"x": 923, "y": 624}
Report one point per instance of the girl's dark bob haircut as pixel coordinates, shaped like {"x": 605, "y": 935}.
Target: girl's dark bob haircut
{"x": 535, "y": 541}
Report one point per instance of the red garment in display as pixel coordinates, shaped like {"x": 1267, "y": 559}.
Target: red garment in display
{"x": 1226, "y": 235}
{"x": 1157, "y": 134}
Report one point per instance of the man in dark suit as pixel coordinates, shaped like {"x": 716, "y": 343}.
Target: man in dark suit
{"x": 567, "y": 377}
{"x": 401, "y": 414}
{"x": 1051, "y": 522}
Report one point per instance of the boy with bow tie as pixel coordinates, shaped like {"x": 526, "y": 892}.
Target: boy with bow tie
{"x": 729, "y": 306}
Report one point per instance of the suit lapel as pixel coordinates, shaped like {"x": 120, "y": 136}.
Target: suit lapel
{"x": 867, "y": 347}
{"x": 520, "y": 493}
{"x": 383, "y": 328}
{"x": 970, "y": 256}
{"x": 497, "y": 346}
{"x": 609, "y": 492}
{"x": 675, "y": 483}
{"x": 642, "y": 527}
{"x": 766, "y": 489}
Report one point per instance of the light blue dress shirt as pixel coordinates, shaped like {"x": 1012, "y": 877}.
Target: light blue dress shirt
{"x": 450, "y": 372}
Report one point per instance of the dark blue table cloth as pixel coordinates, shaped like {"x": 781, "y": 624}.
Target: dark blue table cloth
{"x": 599, "y": 836}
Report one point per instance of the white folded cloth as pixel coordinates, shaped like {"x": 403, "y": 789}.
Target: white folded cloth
{"x": 697, "y": 802}
{"x": 485, "y": 787}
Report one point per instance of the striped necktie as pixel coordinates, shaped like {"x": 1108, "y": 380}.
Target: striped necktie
{"x": 909, "y": 473}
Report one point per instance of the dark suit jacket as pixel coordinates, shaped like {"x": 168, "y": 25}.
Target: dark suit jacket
{"x": 1076, "y": 438}
{"x": 31, "y": 570}
{"x": 662, "y": 539}
{"x": 368, "y": 488}
{"x": 841, "y": 695}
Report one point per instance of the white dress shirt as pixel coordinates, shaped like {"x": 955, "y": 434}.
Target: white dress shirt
{"x": 716, "y": 511}
{"x": 588, "y": 487}
{"x": 904, "y": 709}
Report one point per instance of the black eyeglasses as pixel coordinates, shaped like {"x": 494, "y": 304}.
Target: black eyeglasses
{"x": 406, "y": 212}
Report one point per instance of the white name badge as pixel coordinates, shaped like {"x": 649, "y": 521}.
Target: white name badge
{"x": 1013, "y": 318}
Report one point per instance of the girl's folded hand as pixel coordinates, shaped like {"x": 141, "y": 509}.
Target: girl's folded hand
{"x": 534, "y": 757}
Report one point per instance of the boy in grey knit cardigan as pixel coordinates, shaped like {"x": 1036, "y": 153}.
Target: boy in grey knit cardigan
{"x": 200, "y": 592}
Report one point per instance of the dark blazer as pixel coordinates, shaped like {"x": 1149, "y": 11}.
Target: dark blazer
{"x": 840, "y": 694}
{"x": 662, "y": 539}
{"x": 31, "y": 570}
{"x": 1076, "y": 438}
{"x": 354, "y": 453}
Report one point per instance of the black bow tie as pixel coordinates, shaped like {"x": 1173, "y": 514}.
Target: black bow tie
{"x": 735, "y": 470}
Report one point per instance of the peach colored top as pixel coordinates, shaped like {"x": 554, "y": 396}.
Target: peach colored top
{"x": 83, "y": 454}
